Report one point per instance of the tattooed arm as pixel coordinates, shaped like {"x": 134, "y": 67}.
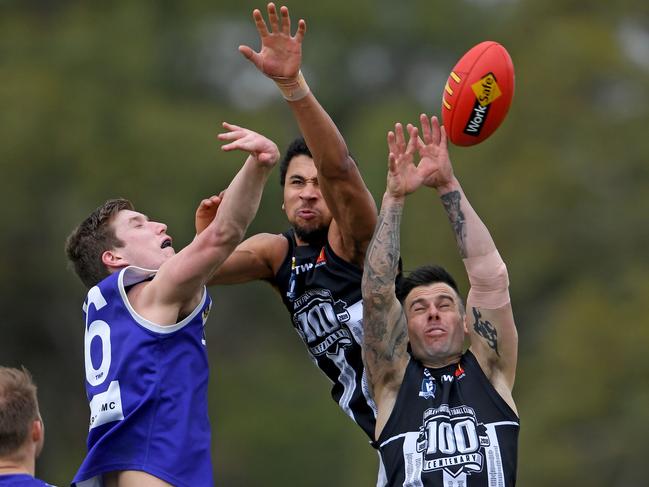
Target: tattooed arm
{"x": 489, "y": 317}
{"x": 385, "y": 339}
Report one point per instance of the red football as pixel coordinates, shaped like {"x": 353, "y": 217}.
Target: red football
{"x": 478, "y": 93}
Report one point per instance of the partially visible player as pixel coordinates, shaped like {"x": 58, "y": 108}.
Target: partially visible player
{"x": 316, "y": 265}
{"x": 22, "y": 433}
{"x": 446, "y": 415}
{"x": 145, "y": 347}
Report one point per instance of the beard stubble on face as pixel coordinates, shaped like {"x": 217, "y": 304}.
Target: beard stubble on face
{"x": 312, "y": 236}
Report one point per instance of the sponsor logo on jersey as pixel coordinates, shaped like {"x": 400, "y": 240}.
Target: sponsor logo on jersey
{"x": 428, "y": 386}
{"x": 459, "y": 372}
{"x": 106, "y": 407}
{"x": 452, "y": 439}
{"x": 322, "y": 258}
{"x": 319, "y": 318}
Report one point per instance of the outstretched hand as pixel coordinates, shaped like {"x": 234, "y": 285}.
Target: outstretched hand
{"x": 403, "y": 176}
{"x": 281, "y": 53}
{"x": 262, "y": 149}
{"x": 434, "y": 165}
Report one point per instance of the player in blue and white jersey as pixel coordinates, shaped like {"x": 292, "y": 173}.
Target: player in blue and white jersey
{"x": 145, "y": 358}
{"x": 446, "y": 416}
{"x": 21, "y": 429}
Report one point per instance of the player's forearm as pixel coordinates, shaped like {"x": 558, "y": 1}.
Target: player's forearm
{"x": 381, "y": 267}
{"x": 471, "y": 235}
{"x": 241, "y": 202}
{"x": 323, "y": 138}
{"x": 485, "y": 268}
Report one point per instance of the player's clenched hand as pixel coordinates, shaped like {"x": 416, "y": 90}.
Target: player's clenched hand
{"x": 258, "y": 146}
{"x": 281, "y": 53}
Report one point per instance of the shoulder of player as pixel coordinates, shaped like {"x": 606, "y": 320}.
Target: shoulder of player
{"x": 270, "y": 247}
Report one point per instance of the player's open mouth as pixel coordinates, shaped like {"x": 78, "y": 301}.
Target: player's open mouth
{"x": 166, "y": 243}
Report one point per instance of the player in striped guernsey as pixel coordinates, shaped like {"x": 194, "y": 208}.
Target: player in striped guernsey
{"x": 316, "y": 266}
{"x": 145, "y": 348}
{"x": 446, "y": 417}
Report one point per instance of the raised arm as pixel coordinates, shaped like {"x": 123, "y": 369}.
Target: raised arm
{"x": 180, "y": 279}
{"x": 350, "y": 202}
{"x": 490, "y": 321}
{"x": 385, "y": 330}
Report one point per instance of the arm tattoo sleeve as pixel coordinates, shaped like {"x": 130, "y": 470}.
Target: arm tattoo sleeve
{"x": 451, "y": 203}
{"x": 486, "y": 330}
{"x": 381, "y": 337}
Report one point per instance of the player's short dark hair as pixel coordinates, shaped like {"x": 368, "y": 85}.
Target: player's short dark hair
{"x": 18, "y": 408}
{"x": 296, "y": 148}
{"x": 423, "y": 276}
{"x": 85, "y": 245}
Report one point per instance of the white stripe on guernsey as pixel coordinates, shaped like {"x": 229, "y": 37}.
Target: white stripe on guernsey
{"x": 355, "y": 325}
{"x": 382, "y": 479}
{"x": 132, "y": 275}
{"x": 495, "y": 474}
{"x": 347, "y": 379}
{"x": 412, "y": 460}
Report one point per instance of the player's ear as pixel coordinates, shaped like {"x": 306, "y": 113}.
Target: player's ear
{"x": 38, "y": 434}
{"x": 113, "y": 259}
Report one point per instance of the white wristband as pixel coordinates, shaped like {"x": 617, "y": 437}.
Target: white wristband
{"x": 293, "y": 89}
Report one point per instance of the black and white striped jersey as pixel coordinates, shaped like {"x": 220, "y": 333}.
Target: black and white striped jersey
{"x": 322, "y": 292}
{"x": 449, "y": 428}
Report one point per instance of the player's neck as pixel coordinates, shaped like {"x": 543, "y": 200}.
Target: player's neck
{"x": 23, "y": 461}
{"x": 8, "y": 468}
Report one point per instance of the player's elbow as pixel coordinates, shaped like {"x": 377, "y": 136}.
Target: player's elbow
{"x": 337, "y": 165}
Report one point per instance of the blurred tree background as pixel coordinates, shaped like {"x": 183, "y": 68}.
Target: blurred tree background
{"x": 124, "y": 98}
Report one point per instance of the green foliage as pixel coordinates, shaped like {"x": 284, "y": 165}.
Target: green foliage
{"x": 125, "y": 98}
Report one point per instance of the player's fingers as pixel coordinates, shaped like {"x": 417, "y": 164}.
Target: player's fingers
{"x": 227, "y": 136}
{"x": 413, "y": 133}
{"x": 437, "y": 135}
{"x": 301, "y": 29}
{"x": 425, "y": 128}
{"x": 443, "y": 142}
{"x": 230, "y": 147}
{"x": 399, "y": 137}
{"x": 259, "y": 23}
{"x": 392, "y": 143}
{"x": 251, "y": 56}
{"x": 273, "y": 20}
{"x": 285, "y": 20}
{"x": 231, "y": 126}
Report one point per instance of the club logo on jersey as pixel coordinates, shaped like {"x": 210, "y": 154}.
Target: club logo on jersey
{"x": 318, "y": 318}
{"x": 428, "y": 386}
{"x": 452, "y": 439}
